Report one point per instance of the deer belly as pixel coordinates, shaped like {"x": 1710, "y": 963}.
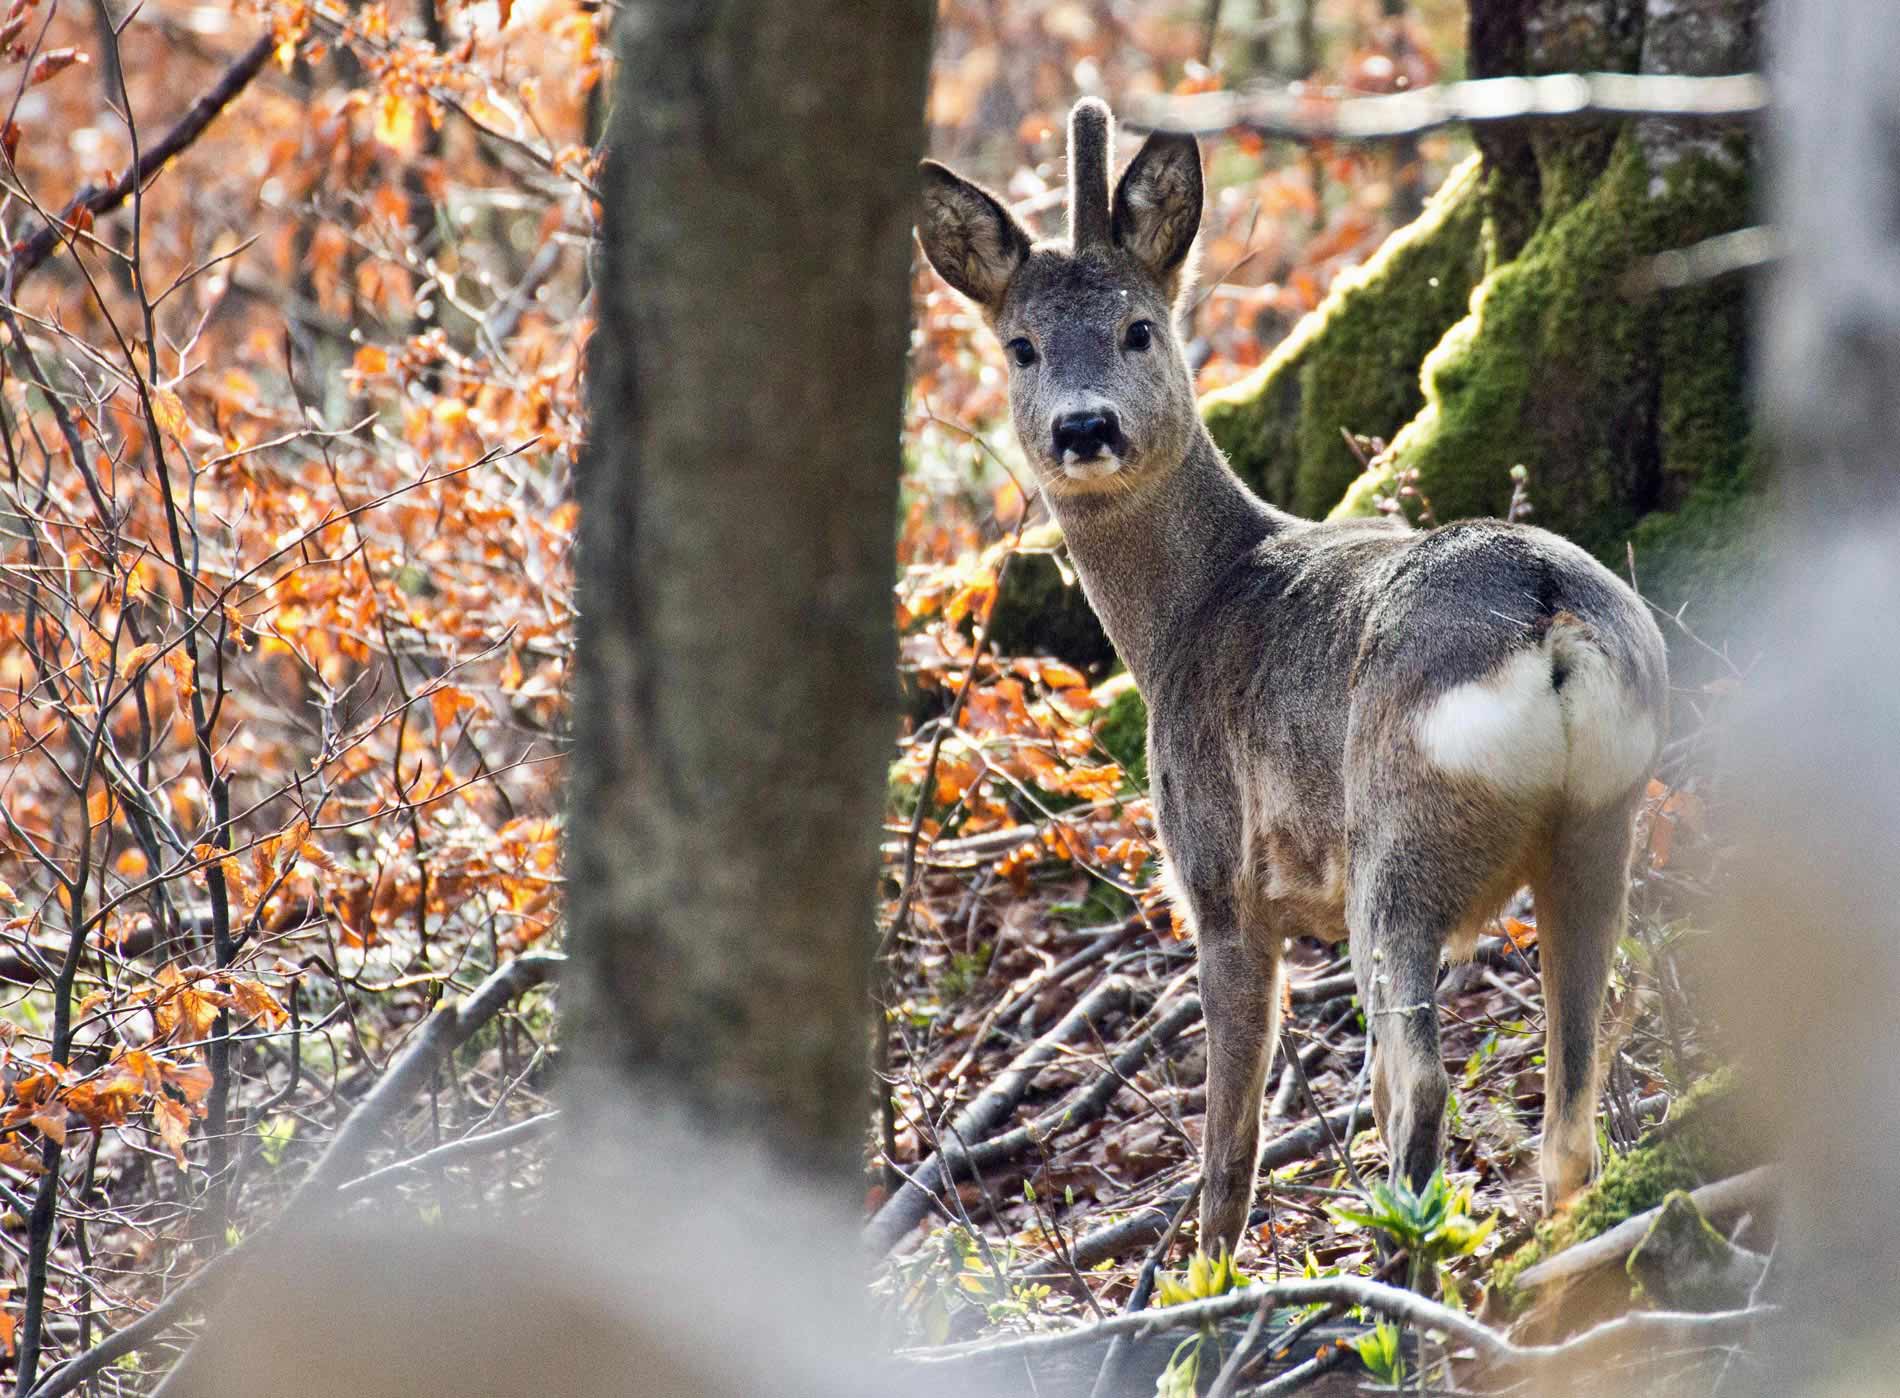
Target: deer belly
{"x": 1293, "y": 889}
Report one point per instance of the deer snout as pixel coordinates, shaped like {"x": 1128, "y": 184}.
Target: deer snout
{"x": 1087, "y": 434}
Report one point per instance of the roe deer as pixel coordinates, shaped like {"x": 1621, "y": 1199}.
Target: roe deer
{"x": 1355, "y": 729}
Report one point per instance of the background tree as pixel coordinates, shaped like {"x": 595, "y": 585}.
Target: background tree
{"x": 1517, "y": 321}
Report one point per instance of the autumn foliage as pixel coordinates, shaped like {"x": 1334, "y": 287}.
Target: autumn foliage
{"x": 285, "y": 536}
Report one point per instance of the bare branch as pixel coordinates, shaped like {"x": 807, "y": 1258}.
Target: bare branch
{"x": 95, "y": 200}
{"x": 1298, "y": 113}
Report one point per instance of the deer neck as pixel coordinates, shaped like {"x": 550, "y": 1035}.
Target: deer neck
{"x": 1149, "y": 556}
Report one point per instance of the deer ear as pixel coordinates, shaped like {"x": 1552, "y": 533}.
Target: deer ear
{"x": 970, "y": 238}
{"x": 1158, "y": 207}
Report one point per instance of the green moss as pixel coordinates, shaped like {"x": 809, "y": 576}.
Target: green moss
{"x": 1352, "y": 362}
{"x": 1701, "y": 1142}
{"x": 1121, "y": 727}
{"x": 1040, "y": 609}
{"x": 1682, "y": 1258}
{"x": 1617, "y": 403}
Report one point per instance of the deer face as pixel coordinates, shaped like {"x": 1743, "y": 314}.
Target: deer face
{"x": 1100, "y": 392}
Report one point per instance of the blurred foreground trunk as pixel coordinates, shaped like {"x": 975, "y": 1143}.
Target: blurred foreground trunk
{"x": 734, "y": 702}
{"x": 1815, "y": 920}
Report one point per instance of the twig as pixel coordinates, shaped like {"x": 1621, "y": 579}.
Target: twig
{"x": 95, "y": 200}
{"x": 452, "y": 1151}
{"x": 1408, "y": 1307}
{"x": 1144, "y": 1288}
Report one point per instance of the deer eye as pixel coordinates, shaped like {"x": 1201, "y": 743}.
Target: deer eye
{"x": 1022, "y": 352}
{"x": 1140, "y": 335}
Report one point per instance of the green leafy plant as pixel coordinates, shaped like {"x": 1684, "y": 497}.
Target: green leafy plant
{"x": 1379, "y": 1350}
{"x": 1433, "y": 1224}
{"x": 1203, "y": 1278}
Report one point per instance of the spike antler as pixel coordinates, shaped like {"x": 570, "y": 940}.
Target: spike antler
{"x": 1091, "y": 153}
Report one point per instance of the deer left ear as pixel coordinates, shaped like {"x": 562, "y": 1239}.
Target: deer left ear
{"x": 1158, "y": 208}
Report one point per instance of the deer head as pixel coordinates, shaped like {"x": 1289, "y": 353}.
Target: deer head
{"x": 1100, "y": 391}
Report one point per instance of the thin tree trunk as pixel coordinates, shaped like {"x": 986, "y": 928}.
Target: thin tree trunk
{"x": 734, "y": 697}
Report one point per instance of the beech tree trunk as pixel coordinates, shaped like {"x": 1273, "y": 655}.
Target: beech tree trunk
{"x": 734, "y": 699}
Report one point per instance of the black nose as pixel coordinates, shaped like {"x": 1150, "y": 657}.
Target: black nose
{"x": 1087, "y": 434}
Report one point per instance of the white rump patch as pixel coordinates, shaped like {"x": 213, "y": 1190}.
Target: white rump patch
{"x": 1506, "y": 729}
{"x": 1516, "y": 730}
{"x": 1612, "y": 739}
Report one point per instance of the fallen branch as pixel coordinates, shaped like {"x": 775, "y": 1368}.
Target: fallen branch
{"x": 1637, "y": 1329}
{"x": 1078, "y": 1110}
{"x": 1300, "y": 113}
{"x": 30, "y": 252}
{"x": 978, "y": 1121}
{"x": 1302, "y": 1143}
{"x": 1724, "y": 1197}
{"x": 441, "y": 1034}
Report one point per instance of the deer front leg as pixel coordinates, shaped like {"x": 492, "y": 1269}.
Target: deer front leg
{"x": 1240, "y": 997}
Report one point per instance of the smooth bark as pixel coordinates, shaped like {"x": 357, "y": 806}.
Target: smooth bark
{"x": 734, "y": 701}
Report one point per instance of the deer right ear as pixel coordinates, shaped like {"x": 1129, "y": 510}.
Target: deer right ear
{"x": 970, "y": 238}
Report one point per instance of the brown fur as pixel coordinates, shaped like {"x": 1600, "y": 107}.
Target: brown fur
{"x": 1355, "y": 730}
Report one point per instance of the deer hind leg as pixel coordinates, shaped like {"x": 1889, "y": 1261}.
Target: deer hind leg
{"x": 1422, "y": 866}
{"x": 1395, "y": 959}
{"x": 1582, "y": 904}
{"x": 1240, "y": 997}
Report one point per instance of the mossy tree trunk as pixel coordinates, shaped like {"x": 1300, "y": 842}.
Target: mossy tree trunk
{"x": 1509, "y": 324}
{"x": 1627, "y": 405}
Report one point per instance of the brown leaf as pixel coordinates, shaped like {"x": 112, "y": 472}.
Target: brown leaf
{"x": 136, "y": 657}
{"x": 174, "y": 1126}
{"x": 54, "y": 62}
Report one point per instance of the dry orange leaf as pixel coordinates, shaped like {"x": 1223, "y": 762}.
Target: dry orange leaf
{"x": 136, "y": 657}
{"x": 174, "y": 1126}
{"x": 256, "y": 1002}
{"x": 15, "y": 1156}
{"x": 53, "y": 62}
{"x": 168, "y": 411}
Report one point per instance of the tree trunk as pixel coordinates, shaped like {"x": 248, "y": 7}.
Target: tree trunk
{"x": 734, "y": 701}
{"x": 1817, "y": 797}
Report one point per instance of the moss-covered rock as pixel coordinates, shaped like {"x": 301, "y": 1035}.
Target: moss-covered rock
{"x": 1701, "y": 1142}
{"x": 1040, "y": 609}
{"x": 1619, "y": 403}
{"x": 1684, "y": 1264}
{"x": 1352, "y": 363}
